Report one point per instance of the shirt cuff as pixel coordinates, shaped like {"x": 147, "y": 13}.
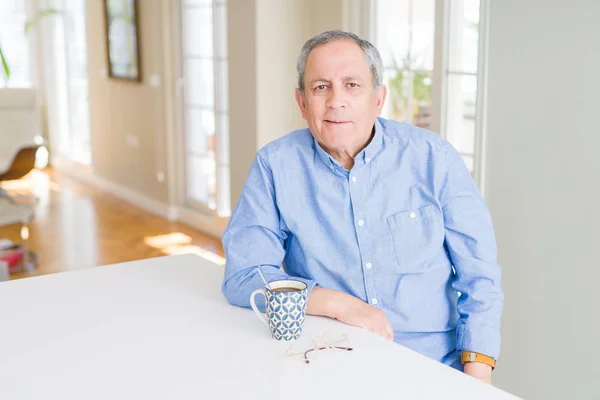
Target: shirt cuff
{"x": 309, "y": 284}
{"x": 482, "y": 339}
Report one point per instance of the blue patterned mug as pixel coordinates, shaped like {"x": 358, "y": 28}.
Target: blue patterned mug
{"x": 286, "y": 308}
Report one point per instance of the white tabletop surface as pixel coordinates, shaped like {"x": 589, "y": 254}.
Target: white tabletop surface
{"x": 161, "y": 329}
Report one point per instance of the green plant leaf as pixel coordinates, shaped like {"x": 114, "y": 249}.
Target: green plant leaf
{"x": 33, "y": 21}
{"x": 421, "y": 90}
{"x": 4, "y": 65}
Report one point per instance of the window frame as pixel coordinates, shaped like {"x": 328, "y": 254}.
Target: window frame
{"x": 222, "y": 199}
{"x": 360, "y": 19}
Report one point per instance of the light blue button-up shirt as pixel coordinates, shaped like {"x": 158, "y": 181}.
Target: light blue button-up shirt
{"x": 405, "y": 230}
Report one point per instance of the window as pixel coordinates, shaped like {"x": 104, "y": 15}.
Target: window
{"x": 14, "y": 43}
{"x": 63, "y": 57}
{"x": 75, "y": 52}
{"x": 404, "y": 35}
{"x": 431, "y": 52}
{"x": 205, "y": 105}
{"x": 461, "y": 77}
{"x": 65, "y": 62}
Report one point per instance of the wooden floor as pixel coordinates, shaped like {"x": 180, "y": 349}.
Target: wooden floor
{"x": 76, "y": 226}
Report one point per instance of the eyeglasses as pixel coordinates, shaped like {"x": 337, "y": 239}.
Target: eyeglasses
{"x": 323, "y": 341}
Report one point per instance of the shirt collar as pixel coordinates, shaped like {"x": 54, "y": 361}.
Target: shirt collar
{"x": 365, "y": 155}
{"x": 374, "y": 147}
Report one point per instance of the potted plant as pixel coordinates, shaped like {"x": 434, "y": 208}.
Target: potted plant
{"x": 410, "y": 88}
{"x": 4, "y": 65}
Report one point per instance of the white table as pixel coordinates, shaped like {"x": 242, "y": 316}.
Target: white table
{"x": 161, "y": 329}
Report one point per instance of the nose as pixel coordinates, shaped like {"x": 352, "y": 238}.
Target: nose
{"x": 336, "y": 99}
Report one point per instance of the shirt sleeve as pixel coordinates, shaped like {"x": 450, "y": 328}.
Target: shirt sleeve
{"x": 471, "y": 244}
{"x": 255, "y": 236}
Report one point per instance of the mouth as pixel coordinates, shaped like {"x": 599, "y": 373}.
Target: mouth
{"x": 336, "y": 122}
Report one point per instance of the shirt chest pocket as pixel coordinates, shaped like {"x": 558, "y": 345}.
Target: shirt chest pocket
{"x": 417, "y": 236}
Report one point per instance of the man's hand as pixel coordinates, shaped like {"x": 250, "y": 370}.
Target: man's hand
{"x": 480, "y": 371}
{"x": 349, "y": 310}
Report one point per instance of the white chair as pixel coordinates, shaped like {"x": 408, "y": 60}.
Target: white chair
{"x": 18, "y": 130}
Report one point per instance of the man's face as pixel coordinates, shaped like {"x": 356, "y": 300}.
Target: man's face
{"x": 340, "y": 104}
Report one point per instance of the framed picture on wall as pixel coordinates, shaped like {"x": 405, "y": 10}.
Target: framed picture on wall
{"x": 122, "y": 39}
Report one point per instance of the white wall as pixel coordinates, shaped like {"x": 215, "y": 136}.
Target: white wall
{"x": 543, "y": 189}
{"x": 264, "y": 41}
{"x": 122, "y": 110}
{"x": 243, "y": 110}
{"x": 282, "y": 28}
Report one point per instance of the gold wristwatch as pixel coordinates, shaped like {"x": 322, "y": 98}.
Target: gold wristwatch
{"x": 471, "y": 356}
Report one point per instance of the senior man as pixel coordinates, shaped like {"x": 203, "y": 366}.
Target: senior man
{"x": 380, "y": 219}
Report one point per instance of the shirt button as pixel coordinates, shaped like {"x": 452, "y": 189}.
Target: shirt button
{"x": 374, "y": 301}
{"x": 412, "y": 215}
{"x": 361, "y": 222}
{"x": 368, "y": 265}
{"x": 353, "y": 179}
{"x": 367, "y": 160}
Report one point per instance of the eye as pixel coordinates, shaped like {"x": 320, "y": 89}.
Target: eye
{"x": 321, "y": 87}
{"x": 353, "y": 85}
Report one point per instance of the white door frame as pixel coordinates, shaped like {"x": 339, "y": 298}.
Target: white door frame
{"x": 198, "y": 215}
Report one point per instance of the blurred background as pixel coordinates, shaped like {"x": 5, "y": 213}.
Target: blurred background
{"x": 127, "y": 129}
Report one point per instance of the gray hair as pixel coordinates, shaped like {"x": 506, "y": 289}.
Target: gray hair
{"x": 372, "y": 55}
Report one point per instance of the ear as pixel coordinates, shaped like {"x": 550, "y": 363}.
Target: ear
{"x": 380, "y": 95}
{"x": 301, "y": 103}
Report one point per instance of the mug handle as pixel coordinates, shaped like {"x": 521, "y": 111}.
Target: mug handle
{"x": 260, "y": 315}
